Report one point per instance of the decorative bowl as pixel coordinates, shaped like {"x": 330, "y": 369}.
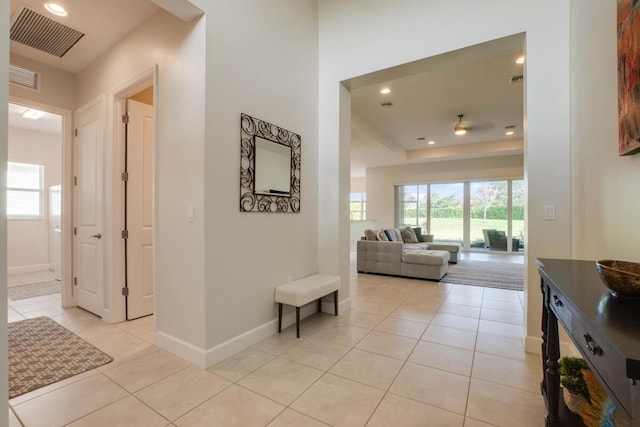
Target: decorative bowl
{"x": 622, "y": 277}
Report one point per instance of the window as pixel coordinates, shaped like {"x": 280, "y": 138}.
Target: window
{"x": 25, "y": 184}
{"x": 451, "y": 211}
{"x": 358, "y": 206}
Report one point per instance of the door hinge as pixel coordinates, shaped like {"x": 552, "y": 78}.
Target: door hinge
{"x": 125, "y": 119}
{"x": 125, "y": 234}
{"x": 75, "y": 132}
{"x": 125, "y": 176}
{"x": 125, "y": 291}
{"x": 75, "y": 180}
{"x": 75, "y": 231}
{"x": 75, "y": 281}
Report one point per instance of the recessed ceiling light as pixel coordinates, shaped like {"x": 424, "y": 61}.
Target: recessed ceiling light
{"x": 33, "y": 114}
{"x": 56, "y": 9}
{"x": 385, "y": 90}
{"x": 509, "y": 130}
{"x": 520, "y": 60}
{"x": 431, "y": 142}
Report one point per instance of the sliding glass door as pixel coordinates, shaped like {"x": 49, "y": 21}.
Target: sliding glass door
{"x": 447, "y": 211}
{"x": 493, "y": 210}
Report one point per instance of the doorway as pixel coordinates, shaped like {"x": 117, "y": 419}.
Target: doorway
{"x": 35, "y": 220}
{"x": 138, "y": 204}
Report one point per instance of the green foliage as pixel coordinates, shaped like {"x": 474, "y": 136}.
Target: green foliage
{"x": 571, "y": 375}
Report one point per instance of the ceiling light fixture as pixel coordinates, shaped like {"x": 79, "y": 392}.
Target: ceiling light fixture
{"x": 509, "y": 130}
{"x": 33, "y": 114}
{"x": 431, "y": 142}
{"x": 385, "y": 90}
{"x": 520, "y": 60}
{"x": 460, "y": 128}
{"x": 56, "y": 9}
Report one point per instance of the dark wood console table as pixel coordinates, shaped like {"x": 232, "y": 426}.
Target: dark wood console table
{"x": 605, "y": 328}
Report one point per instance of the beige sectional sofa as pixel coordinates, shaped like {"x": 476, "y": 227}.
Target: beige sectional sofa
{"x": 403, "y": 256}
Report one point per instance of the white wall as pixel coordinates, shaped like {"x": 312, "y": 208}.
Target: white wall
{"x": 177, "y": 48}
{"x": 262, "y": 60}
{"x": 381, "y": 181}
{"x": 605, "y": 186}
{"x": 28, "y": 241}
{"x": 352, "y": 44}
{"x": 4, "y": 113}
{"x": 56, "y": 87}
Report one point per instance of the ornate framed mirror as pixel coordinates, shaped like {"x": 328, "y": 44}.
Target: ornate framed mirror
{"x": 269, "y": 167}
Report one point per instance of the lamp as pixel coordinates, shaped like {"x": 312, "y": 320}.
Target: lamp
{"x": 460, "y": 128}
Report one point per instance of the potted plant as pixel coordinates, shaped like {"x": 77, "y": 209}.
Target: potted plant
{"x": 575, "y": 390}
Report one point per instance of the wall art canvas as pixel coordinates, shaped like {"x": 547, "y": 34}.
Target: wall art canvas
{"x": 628, "y": 76}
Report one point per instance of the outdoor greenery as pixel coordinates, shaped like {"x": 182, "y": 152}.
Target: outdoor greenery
{"x": 488, "y": 209}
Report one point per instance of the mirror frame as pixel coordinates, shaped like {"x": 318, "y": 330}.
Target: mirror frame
{"x": 250, "y": 127}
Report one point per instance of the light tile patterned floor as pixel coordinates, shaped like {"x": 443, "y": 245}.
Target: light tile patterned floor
{"x": 409, "y": 353}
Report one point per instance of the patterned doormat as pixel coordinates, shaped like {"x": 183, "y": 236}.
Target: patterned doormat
{"x": 42, "y": 352}
{"x": 31, "y": 290}
{"x": 491, "y": 274}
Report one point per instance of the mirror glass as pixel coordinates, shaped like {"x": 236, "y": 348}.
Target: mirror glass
{"x": 273, "y": 168}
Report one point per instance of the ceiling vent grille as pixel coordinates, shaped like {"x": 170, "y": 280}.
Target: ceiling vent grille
{"x": 23, "y": 77}
{"x": 42, "y": 33}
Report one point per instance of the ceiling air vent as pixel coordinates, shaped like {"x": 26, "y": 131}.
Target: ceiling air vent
{"x": 23, "y": 77}
{"x": 516, "y": 79}
{"x": 42, "y": 33}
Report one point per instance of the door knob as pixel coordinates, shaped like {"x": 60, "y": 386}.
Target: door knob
{"x": 97, "y": 236}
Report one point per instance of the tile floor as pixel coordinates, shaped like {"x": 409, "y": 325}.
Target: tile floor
{"x": 409, "y": 353}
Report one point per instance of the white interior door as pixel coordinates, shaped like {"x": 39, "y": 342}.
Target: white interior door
{"x": 88, "y": 245}
{"x": 139, "y": 209}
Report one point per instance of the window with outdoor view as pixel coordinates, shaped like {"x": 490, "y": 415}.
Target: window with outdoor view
{"x": 358, "y": 206}
{"x": 25, "y": 183}
{"x": 494, "y": 212}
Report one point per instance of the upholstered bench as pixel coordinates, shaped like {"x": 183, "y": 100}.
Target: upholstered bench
{"x": 428, "y": 264}
{"x": 303, "y": 291}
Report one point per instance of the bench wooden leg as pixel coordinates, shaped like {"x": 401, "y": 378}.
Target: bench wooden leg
{"x": 298, "y": 322}
{"x": 335, "y": 302}
{"x": 279, "y": 317}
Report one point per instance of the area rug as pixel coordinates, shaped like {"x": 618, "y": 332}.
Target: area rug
{"x": 31, "y": 290}
{"x": 486, "y": 273}
{"x": 42, "y": 352}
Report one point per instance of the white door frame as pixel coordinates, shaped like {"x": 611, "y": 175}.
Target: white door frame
{"x": 68, "y": 295}
{"x": 114, "y": 191}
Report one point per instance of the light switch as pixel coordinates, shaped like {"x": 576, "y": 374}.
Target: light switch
{"x": 190, "y": 214}
{"x": 549, "y": 213}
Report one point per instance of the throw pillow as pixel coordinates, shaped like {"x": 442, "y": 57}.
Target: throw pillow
{"x": 370, "y": 235}
{"x": 408, "y": 235}
{"x": 397, "y": 235}
{"x": 382, "y": 236}
{"x": 418, "y": 231}
{"x": 390, "y": 236}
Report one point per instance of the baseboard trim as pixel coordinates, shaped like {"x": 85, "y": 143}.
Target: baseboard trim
{"x": 28, "y": 268}
{"x": 247, "y": 339}
{"x": 180, "y": 348}
{"x": 534, "y": 345}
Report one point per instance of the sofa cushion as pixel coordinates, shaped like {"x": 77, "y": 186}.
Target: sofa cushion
{"x": 397, "y": 235}
{"x": 408, "y": 235}
{"x": 382, "y": 236}
{"x": 426, "y": 257}
{"x": 371, "y": 234}
{"x": 418, "y": 231}
{"x": 390, "y": 236}
{"x": 442, "y": 246}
